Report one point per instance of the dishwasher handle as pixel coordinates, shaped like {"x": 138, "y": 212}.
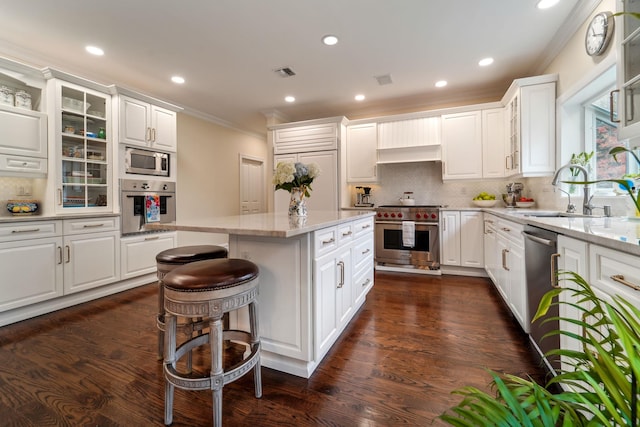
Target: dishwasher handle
{"x": 540, "y": 240}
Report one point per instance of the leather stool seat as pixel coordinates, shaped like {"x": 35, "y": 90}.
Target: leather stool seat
{"x": 208, "y": 290}
{"x": 168, "y": 260}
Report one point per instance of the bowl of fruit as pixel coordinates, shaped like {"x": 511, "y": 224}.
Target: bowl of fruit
{"x": 22, "y": 207}
{"x": 525, "y": 202}
{"x": 484, "y": 200}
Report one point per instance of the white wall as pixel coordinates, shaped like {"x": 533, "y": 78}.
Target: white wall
{"x": 208, "y": 175}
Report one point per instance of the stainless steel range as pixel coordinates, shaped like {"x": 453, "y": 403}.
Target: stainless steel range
{"x": 408, "y": 236}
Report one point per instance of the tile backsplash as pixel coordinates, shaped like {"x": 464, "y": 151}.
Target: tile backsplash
{"x": 10, "y": 187}
{"x": 424, "y": 179}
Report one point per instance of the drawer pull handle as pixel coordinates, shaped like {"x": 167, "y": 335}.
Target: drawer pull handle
{"x": 348, "y": 233}
{"x": 366, "y": 251}
{"x": 506, "y": 229}
{"x": 28, "y": 230}
{"x": 93, "y": 225}
{"x": 326, "y": 242}
{"x": 146, "y": 239}
{"x": 341, "y": 265}
{"x": 554, "y": 271}
{"x": 366, "y": 226}
{"x": 620, "y": 279}
{"x": 366, "y": 282}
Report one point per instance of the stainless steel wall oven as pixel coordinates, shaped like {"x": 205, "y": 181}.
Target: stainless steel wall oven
{"x": 408, "y": 236}
{"x": 137, "y": 200}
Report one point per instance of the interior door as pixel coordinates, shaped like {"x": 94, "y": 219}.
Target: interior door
{"x": 252, "y": 184}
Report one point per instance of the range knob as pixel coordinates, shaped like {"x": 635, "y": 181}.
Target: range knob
{"x": 418, "y": 216}
{"x": 379, "y": 215}
{"x": 165, "y": 187}
{"x": 400, "y": 215}
{"x": 386, "y": 215}
{"x": 434, "y": 216}
{"x": 145, "y": 186}
{"x": 393, "y": 215}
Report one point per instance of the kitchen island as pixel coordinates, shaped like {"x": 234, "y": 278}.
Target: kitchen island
{"x": 315, "y": 273}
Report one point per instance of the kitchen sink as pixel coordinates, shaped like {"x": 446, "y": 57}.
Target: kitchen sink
{"x": 555, "y": 214}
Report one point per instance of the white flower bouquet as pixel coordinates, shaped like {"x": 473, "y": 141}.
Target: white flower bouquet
{"x": 290, "y": 175}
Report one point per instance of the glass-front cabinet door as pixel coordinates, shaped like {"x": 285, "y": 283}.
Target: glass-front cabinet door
{"x": 629, "y": 70}
{"x": 84, "y": 149}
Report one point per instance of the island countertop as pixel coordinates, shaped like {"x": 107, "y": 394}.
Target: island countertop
{"x": 264, "y": 224}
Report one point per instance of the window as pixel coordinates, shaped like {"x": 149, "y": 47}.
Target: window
{"x": 601, "y": 134}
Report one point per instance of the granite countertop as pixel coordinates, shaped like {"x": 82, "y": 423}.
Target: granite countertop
{"x": 265, "y": 224}
{"x": 619, "y": 233}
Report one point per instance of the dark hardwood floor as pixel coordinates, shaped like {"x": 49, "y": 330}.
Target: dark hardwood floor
{"x": 415, "y": 340}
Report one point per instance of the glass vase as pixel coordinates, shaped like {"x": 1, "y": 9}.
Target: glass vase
{"x": 297, "y": 205}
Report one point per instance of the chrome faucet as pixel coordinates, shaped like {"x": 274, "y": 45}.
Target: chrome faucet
{"x": 587, "y": 207}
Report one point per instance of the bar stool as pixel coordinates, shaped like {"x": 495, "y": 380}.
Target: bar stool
{"x": 166, "y": 261}
{"x": 209, "y": 289}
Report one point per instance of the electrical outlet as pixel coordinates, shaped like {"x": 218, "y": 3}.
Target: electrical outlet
{"x": 26, "y": 190}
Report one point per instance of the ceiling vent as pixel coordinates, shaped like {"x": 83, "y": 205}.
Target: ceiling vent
{"x": 384, "y": 80}
{"x": 285, "y": 72}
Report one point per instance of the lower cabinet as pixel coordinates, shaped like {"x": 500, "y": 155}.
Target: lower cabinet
{"x": 31, "y": 263}
{"x": 510, "y": 278}
{"x": 91, "y": 253}
{"x": 460, "y": 227}
{"x": 138, "y": 253}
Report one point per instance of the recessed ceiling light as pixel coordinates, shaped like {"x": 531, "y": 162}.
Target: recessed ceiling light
{"x": 177, "y": 79}
{"x": 359, "y": 97}
{"x": 290, "y": 98}
{"x": 441, "y": 83}
{"x": 94, "y": 50}
{"x": 485, "y": 61}
{"x": 546, "y": 4}
{"x": 330, "y": 40}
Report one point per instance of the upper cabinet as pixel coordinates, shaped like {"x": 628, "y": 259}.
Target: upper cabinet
{"x": 82, "y": 153}
{"x": 629, "y": 70}
{"x": 462, "y": 145}
{"x": 144, "y": 124}
{"x": 362, "y": 140}
{"x": 531, "y": 127}
{"x": 302, "y": 138}
{"x": 23, "y": 126}
{"x": 493, "y": 143}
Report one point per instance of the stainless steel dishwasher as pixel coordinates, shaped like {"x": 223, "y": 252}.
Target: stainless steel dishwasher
{"x": 540, "y": 249}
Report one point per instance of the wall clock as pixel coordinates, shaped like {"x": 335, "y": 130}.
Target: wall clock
{"x": 599, "y": 33}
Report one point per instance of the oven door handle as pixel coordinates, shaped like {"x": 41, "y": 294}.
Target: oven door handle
{"x": 399, "y": 223}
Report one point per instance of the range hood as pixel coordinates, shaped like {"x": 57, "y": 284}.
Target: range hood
{"x": 420, "y": 153}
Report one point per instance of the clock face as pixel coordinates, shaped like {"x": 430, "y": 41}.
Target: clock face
{"x": 598, "y": 34}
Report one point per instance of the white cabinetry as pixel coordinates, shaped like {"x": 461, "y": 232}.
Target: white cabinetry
{"x": 491, "y": 246}
{"x": 409, "y": 140}
{"x": 311, "y": 286}
{"x": 573, "y": 257}
{"x": 299, "y": 138}
{"x": 511, "y": 279}
{"x": 23, "y": 132}
{"x": 82, "y": 153}
{"x": 628, "y": 33}
{"x": 493, "y": 143}
{"x": 462, "y": 145}
{"x": 324, "y": 195}
{"x": 462, "y": 238}
{"x": 91, "y": 253}
{"x": 138, "y": 253}
{"x": 146, "y": 125}
{"x": 31, "y": 261}
{"x": 361, "y": 151}
{"x": 531, "y": 115}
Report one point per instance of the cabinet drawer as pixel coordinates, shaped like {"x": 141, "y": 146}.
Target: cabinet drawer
{"x": 615, "y": 273}
{"x": 29, "y": 230}
{"x": 362, "y": 226}
{"x": 345, "y": 234}
{"x": 362, "y": 250}
{"x": 511, "y": 230}
{"x": 91, "y": 225}
{"x": 24, "y": 166}
{"x": 325, "y": 240}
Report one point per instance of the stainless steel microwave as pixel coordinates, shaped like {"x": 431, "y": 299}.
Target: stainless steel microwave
{"x": 146, "y": 162}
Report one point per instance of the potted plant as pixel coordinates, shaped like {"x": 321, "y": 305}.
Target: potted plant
{"x": 602, "y": 390}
